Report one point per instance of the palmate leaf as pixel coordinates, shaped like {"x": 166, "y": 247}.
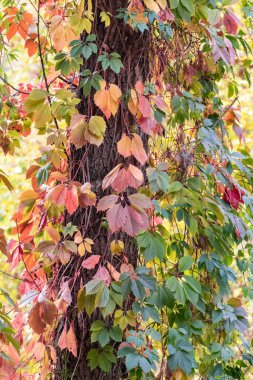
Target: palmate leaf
{"x": 151, "y": 245}
{"x": 182, "y": 360}
{"x": 181, "y": 353}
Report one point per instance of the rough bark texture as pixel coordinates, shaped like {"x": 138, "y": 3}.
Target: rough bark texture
{"x": 92, "y": 164}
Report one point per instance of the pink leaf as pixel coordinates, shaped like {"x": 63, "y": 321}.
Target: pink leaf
{"x": 65, "y": 293}
{"x": 103, "y": 274}
{"x": 239, "y": 132}
{"x": 110, "y": 178}
{"x": 91, "y": 262}
{"x": 145, "y": 106}
{"x": 140, "y": 200}
{"x": 116, "y": 217}
{"x": 147, "y": 124}
{"x": 107, "y": 202}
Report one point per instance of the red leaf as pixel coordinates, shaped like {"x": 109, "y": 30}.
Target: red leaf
{"x": 147, "y": 124}
{"x": 64, "y": 195}
{"x": 41, "y": 315}
{"x": 231, "y": 22}
{"x": 91, "y": 262}
{"x": 71, "y": 200}
{"x": 233, "y": 196}
{"x": 58, "y": 194}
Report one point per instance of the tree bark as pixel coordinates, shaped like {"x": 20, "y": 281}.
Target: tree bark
{"x": 92, "y": 164}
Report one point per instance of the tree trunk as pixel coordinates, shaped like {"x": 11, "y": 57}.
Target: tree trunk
{"x": 92, "y": 164}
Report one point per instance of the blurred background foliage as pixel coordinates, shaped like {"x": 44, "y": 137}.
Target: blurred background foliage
{"x": 20, "y": 70}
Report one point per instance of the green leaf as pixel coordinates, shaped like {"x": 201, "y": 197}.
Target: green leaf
{"x": 188, "y": 4}
{"x": 102, "y": 297}
{"x": 103, "y": 337}
{"x": 193, "y": 283}
{"x": 94, "y": 286}
{"x": 174, "y": 4}
{"x": 151, "y": 245}
{"x": 182, "y": 360}
{"x": 185, "y": 263}
{"x": 104, "y": 363}
{"x": 190, "y": 294}
{"x": 138, "y": 289}
{"x": 116, "y": 333}
{"x": 174, "y": 187}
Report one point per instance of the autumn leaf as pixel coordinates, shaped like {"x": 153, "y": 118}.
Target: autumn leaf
{"x": 64, "y": 195}
{"x": 145, "y": 106}
{"x": 86, "y": 196}
{"x": 61, "y": 32}
{"x": 103, "y": 275}
{"x": 91, "y": 262}
{"x": 83, "y": 131}
{"x": 108, "y": 98}
{"x": 126, "y": 213}
{"x": 231, "y": 22}
{"x": 71, "y": 199}
{"x": 132, "y": 145}
{"x": 233, "y": 196}
{"x": 124, "y": 146}
{"x": 77, "y": 126}
{"x": 41, "y": 315}
{"x": 137, "y": 149}
{"x": 68, "y": 340}
{"x": 121, "y": 177}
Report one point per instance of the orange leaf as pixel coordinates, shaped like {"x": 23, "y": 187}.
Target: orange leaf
{"x": 58, "y": 194}
{"x": 114, "y": 273}
{"x": 41, "y": 315}
{"x": 124, "y": 146}
{"x": 53, "y": 233}
{"x": 68, "y": 340}
{"x": 108, "y": 98}
{"x": 137, "y": 149}
{"x": 71, "y": 199}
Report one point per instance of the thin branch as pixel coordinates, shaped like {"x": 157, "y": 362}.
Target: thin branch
{"x": 14, "y": 88}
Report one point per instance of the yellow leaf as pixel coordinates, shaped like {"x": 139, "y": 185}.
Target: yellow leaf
{"x": 162, "y": 3}
{"x": 81, "y": 249}
{"x": 97, "y": 126}
{"x": 116, "y": 247}
{"x": 152, "y": 5}
{"x": 87, "y": 245}
{"x": 104, "y": 16}
{"x": 78, "y": 126}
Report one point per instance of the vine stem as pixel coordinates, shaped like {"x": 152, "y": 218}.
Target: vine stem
{"x": 42, "y": 63}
